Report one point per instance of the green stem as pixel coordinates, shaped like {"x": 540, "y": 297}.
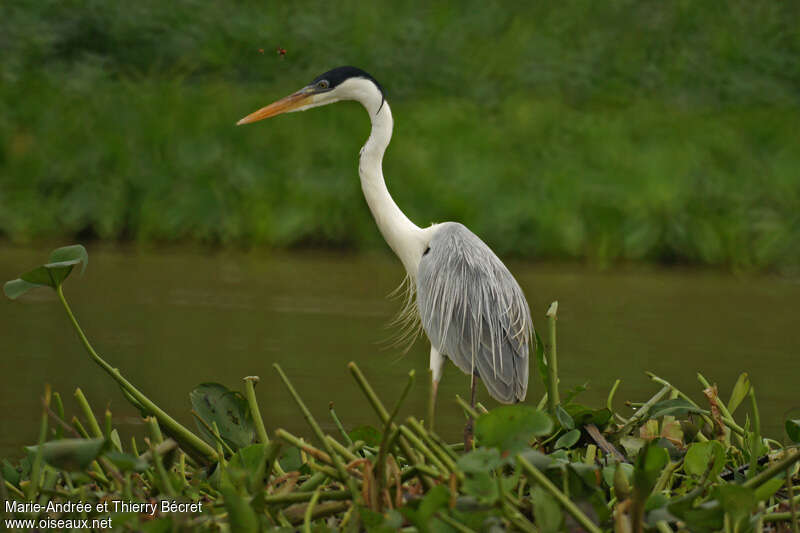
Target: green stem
{"x": 553, "y": 398}
{"x": 772, "y": 471}
{"x": 755, "y": 437}
{"x": 310, "y": 512}
{"x": 298, "y": 497}
{"x": 467, "y": 407}
{"x": 570, "y": 507}
{"x": 723, "y": 409}
{"x": 195, "y": 446}
{"x": 36, "y": 469}
{"x": 255, "y": 412}
{"x": 452, "y": 522}
{"x": 339, "y": 425}
{"x": 380, "y": 464}
{"x": 638, "y": 415}
{"x": 320, "y": 435}
{"x": 94, "y": 427}
{"x": 383, "y": 414}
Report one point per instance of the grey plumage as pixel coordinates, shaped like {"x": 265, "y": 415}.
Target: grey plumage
{"x": 474, "y": 312}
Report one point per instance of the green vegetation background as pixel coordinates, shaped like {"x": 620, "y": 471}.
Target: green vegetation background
{"x": 657, "y": 130}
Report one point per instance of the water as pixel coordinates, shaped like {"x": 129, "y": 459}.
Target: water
{"x": 170, "y": 319}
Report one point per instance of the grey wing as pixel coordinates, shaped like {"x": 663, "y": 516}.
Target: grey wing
{"x": 474, "y": 312}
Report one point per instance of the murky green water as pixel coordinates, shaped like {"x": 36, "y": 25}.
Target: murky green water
{"x": 170, "y": 319}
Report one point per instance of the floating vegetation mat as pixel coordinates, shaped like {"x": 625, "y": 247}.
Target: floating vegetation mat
{"x": 674, "y": 465}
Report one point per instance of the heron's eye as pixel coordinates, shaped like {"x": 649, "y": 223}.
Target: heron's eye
{"x": 323, "y": 84}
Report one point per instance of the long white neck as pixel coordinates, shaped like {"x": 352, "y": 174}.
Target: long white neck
{"x": 405, "y": 238}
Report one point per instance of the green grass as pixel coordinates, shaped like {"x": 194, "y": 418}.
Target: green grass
{"x": 658, "y": 131}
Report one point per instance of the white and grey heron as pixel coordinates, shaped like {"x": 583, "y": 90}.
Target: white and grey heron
{"x": 470, "y": 306}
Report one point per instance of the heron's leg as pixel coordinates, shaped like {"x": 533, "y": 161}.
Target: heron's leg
{"x": 469, "y": 428}
{"x": 436, "y": 366}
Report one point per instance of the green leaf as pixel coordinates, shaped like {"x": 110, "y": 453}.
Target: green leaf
{"x": 480, "y": 460}
{"x": 481, "y": 486}
{"x": 564, "y": 418}
{"x": 370, "y": 435}
{"x": 739, "y": 392}
{"x": 17, "y": 287}
{"x": 214, "y": 402}
{"x": 737, "y": 501}
{"x": 51, "y": 274}
{"x": 706, "y": 517}
{"x": 10, "y": 473}
{"x": 436, "y": 498}
{"x": 538, "y": 459}
{"x": 290, "y": 459}
{"x": 126, "y": 462}
{"x": 510, "y": 427}
{"x": 70, "y": 454}
{"x": 241, "y": 516}
{"x": 546, "y": 511}
{"x": 248, "y": 458}
{"x": 609, "y": 471}
{"x": 674, "y": 407}
{"x": 632, "y": 445}
{"x": 568, "y": 439}
{"x": 793, "y": 429}
{"x": 765, "y": 491}
{"x": 700, "y": 455}
{"x": 73, "y": 255}
{"x": 649, "y": 463}
{"x": 39, "y": 276}
{"x": 541, "y": 361}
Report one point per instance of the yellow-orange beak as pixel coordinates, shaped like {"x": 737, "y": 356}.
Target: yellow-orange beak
{"x": 292, "y": 102}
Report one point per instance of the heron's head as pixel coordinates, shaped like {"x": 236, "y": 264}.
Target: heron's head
{"x": 342, "y": 83}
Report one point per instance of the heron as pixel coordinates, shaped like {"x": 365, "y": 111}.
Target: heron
{"x": 469, "y": 304}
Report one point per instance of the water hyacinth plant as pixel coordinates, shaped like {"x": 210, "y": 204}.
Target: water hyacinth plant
{"x": 673, "y": 465}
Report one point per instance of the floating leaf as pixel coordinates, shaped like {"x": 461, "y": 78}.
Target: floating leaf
{"x": 437, "y": 498}
{"x": 290, "y": 459}
{"x": 126, "y": 462}
{"x": 510, "y": 427}
{"x": 632, "y": 445}
{"x": 214, "y": 402}
{"x": 568, "y": 439}
{"x": 564, "y": 418}
{"x": 708, "y": 516}
{"x": 538, "y": 459}
{"x": 546, "y": 511}
{"x": 242, "y": 517}
{"x": 737, "y": 501}
{"x": 10, "y": 473}
{"x": 739, "y": 392}
{"x": 621, "y": 481}
{"x": 70, "y": 454}
{"x": 248, "y": 458}
{"x": 480, "y": 460}
{"x": 482, "y": 486}
{"x": 649, "y": 463}
{"x": 674, "y": 407}
{"x": 701, "y": 454}
{"x": 370, "y": 435}
{"x": 793, "y": 429}
{"x": 769, "y": 488}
